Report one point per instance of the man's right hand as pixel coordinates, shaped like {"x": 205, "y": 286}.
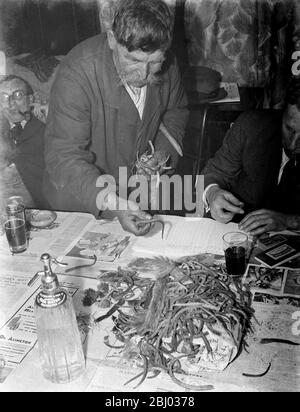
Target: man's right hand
{"x": 130, "y": 221}
{"x": 130, "y": 216}
{"x": 223, "y": 204}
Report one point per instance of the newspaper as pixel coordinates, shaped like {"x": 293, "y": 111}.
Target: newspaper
{"x": 19, "y": 348}
{"x": 54, "y": 240}
{"x": 18, "y": 335}
{"x": 100, "y": 246}
{"x": 107, "y": 368}
{"x": 276, "y": 299}
{"x": 16, "y": 271}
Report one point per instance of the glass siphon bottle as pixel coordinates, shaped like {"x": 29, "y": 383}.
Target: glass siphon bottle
{"x": 60, "y": 348}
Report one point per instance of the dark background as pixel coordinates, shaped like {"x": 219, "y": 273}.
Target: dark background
{"x": 54, "y": 26}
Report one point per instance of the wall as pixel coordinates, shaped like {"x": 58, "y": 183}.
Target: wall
{"x": 54, "y": 26}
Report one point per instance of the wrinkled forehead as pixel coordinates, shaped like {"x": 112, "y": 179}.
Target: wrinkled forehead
{"x": 11, "y": 85}
{"x": 292, "y": 117}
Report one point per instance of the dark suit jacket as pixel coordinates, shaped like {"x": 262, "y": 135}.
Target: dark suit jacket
{"x": 29, "y": 160}
{"x": 93, "y": 126}
{"x": 249, "y": 161}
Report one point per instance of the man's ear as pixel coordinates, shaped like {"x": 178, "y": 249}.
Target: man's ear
{"x": 112, "y": 42}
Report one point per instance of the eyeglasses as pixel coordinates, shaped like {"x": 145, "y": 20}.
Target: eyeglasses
{"x": 16, "y": 95}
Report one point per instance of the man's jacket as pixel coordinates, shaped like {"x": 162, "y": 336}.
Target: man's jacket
{"x": 248, "y": 163}
{"x": 93, "y": 126}
{"x": 29, "y": 160}
{"x": 27, "y": 154}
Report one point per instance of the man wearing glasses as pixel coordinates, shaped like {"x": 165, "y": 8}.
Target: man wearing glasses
{"x": 22, "y": 135}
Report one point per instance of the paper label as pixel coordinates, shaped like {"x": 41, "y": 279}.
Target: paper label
{"x": 51, "y": 301}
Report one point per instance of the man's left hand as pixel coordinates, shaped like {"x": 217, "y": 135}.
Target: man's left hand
{"x": 262, "y": 221}
{"x": 40, "y": 111}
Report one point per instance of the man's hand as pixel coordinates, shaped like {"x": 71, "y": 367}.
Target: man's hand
{"x": 129, "y": 214}
{"x": 152, "y": 164}
{"x": 223, "y": 204}
{"x": 263, "y": 220}
{"x": 40, "y": 111}
{"x": 130, "y": 219}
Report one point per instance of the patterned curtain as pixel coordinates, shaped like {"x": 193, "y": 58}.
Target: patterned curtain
{"x": 296, "y": 37}
{"x": 249, "y": 41}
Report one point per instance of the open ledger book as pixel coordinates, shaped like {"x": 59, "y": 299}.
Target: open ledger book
{"x": 185, "y": 236}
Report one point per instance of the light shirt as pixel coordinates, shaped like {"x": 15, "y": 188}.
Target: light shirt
{"x": 138, "y": 96}
{"x": 23, "y": 123}
{"x": 284, "y": 161}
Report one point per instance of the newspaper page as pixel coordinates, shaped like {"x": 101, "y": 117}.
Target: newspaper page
{"x": 276, "y": 299}
{"x": 107, "y": 367}
{"x": 102, "y": 245}
{"x": 13, "y": 288}
{"x": 54, "y": 239}
{"x": 18, "y": 336}
{"x": 17, "y": 272}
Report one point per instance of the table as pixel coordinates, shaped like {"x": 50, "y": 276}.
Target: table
{"x": 102, "y": 374}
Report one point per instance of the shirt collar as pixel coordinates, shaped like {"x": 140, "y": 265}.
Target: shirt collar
{"x": 285, "y": 158}
{"x": 138, "y": 96}
{"x": 23, "y": 123}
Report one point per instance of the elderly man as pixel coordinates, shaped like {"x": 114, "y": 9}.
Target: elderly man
{"x": 22, "y": 135}
{"x": 255, "y": 175}
{"x": 110, "y": 97}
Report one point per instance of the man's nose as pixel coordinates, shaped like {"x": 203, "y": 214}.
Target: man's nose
{"x": 11, "y": 102}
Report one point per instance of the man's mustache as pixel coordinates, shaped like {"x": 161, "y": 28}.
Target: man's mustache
{"x": 135, "y": 77}
{"x": 24, "y": 113}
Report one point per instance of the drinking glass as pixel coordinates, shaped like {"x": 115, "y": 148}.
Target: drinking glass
{"x": 3, "y": 216}
{"x": 15, "y": 230}
{"x": 235, "y": 248}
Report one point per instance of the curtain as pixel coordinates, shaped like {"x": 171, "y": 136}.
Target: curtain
{"x": 250, "y": 42}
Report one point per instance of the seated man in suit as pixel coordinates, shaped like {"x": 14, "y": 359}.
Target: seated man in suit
{"x": 22, "y": 132}
{"x": 255, "y": 176}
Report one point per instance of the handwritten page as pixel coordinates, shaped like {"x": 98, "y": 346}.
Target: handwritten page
{"x": 184, "y": 236}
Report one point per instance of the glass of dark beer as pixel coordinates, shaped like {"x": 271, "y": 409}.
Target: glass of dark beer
{"x": 15, "y": 230}
{"x": 235, "y": 250}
